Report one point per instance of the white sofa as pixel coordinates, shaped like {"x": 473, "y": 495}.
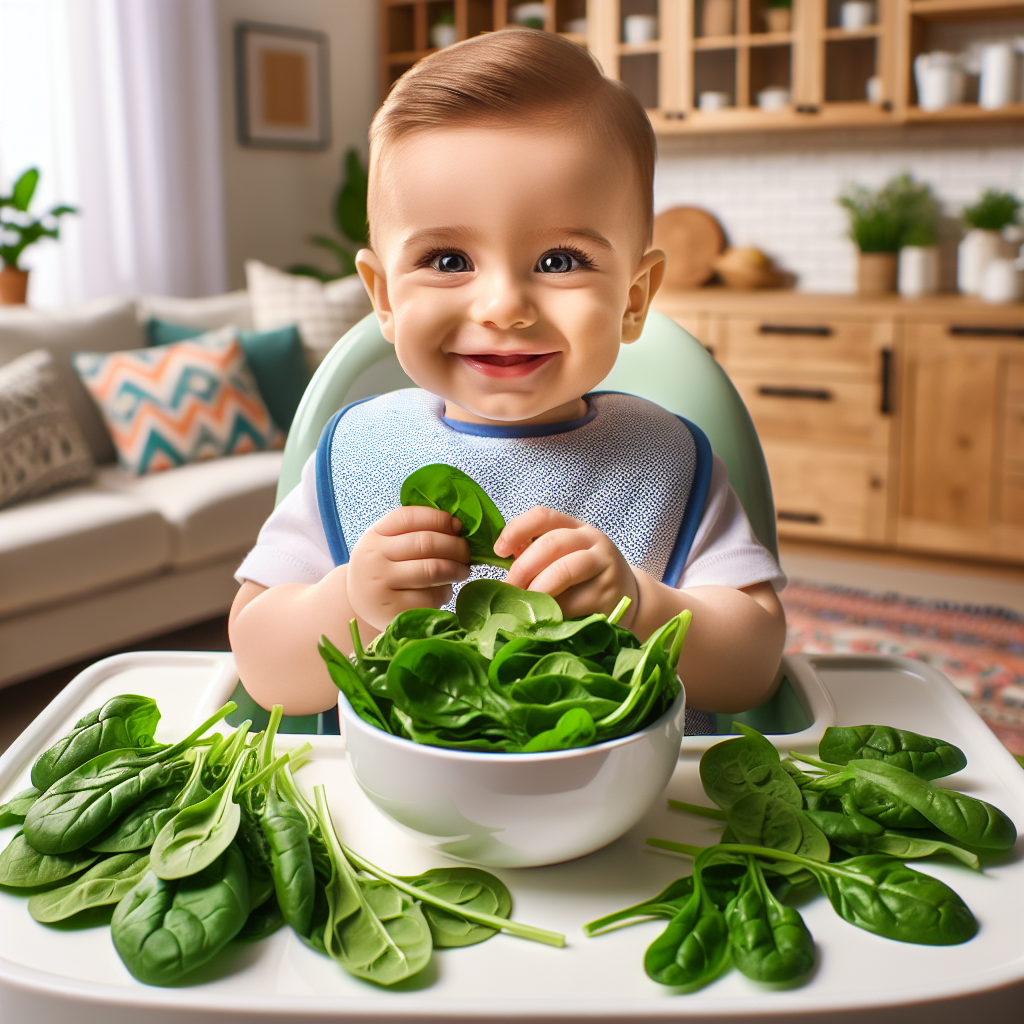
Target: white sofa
{"x": 96, "y": 566}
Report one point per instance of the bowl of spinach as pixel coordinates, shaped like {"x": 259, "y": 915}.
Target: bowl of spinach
{"x": 504, "y": 735}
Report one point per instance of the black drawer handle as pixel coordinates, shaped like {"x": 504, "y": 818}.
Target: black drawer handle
{"x": 798, "y": 517}
{"x": 798, "y": 329}
{"x": 985, "y": 331}
{"x": 814, "y": 394}
{"x": 885, "y": 405}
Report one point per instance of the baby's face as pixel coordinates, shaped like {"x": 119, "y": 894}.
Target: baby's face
{"x": 508, "y": 268}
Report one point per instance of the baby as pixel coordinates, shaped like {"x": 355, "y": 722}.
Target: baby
{"x": 510, "y": 202}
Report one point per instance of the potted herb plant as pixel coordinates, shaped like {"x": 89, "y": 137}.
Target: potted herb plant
{"x": 876, "y": 226}
{"x": 18, "y": 230}
{"x": 983, "y": 243}
{"x": 778, "y": 15}
{"x": 919, "y": 253}
{"x": 443, "y": 32}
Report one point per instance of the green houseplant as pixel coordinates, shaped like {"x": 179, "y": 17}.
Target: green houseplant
{"x": 983, "y": 243}
{"x": 778, "y": 15}
{"x": 19, "y": 229}
{"x": 350, "y": 219}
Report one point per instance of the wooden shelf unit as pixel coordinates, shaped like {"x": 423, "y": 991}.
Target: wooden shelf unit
{"x": 825, "y": 67}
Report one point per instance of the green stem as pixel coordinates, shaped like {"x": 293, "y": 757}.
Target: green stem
{"x": 260, "y": 776}
{"x": 267, "y": 746}
{"x": 357, "y": 642}
{"x": 187, "y": 742}
{"x": 524, "y": 931}
{"x": 831, "y": 769}
{"x": 619, "y": 610}
{"x": 685, "y": 617}
{"x": 704, "y": 812}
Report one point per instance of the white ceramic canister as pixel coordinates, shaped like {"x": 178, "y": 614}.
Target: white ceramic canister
{"x": 976, "y": 251}
{"x": 856, "y": 14}
{"x": 998, "y": 83}
{"x": 773, "y": 98}
{"x": 940, "y": 80}
{"x": 1001, "y": 281}
{"x": 639, "y": 28}
{"x": 442, "y": 35}
{"x": 712, "y": 101}
{"x": 918, "y": 270}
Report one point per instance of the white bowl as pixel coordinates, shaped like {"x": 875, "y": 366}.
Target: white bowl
{"x": 515, "y": 810}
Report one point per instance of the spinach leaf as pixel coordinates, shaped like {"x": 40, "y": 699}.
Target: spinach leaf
{"x": 478, "y": 600}
{"x": 759, "y": 819}
{"x": 965, "y": 818}
{"x": 22, "y": 866}
{"x": 347, "y": 679}
{"x": 197, "y": 835}
{"x": 666, "y": 903}
{"x": 137, "y": 829}
{"x": 735, "y": 768}
{"x": 287, "y": 832}
{"x": 103, "y": 884}
{"x": 769, "y": 942}
{"x": 14, "y": 810}
{"x": 82, "y": 804}
{"x": 907, "y": 847}
{"x": 373, "y": 930}
{"x": 262, "y": 921}
{"x": 924, "y": 756}
{"x": 465, "y": 888}
{"x": 416, "y": 624}
{"x": 575, "y": 728}
{"x": 124, "y": 721}
{"x": 452, "y": 491}
{"x": 163, "y": 929}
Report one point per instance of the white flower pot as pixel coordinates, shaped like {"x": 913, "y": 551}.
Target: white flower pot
{"x": 918, "y": 270}
{"x": 1001, "y": 281}
{"x": 442, "y": 36}
{"x": 976, "y": 252}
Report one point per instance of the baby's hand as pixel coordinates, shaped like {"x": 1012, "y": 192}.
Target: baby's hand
{"x": 573, "y": 561}
{"x": 407, "y": 559}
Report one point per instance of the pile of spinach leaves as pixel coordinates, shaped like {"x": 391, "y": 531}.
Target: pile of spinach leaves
{"x": 505, "y": 673}
{"x": 197, "y": 843}
{"x": 845, "y": 821}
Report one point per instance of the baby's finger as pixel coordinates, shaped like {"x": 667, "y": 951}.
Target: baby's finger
{"x": 572, "y": 570}
{"x": 412, "y": 518}
{"x": 521, "y": 531}
{"x": 541, "y": 553}
{"x": 421, "y": 573}
{"x": 425, "y": 544}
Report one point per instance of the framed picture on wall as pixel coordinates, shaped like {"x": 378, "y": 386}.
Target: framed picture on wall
{"x": 281, "y": 87}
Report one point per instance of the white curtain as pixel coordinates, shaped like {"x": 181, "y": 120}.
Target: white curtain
{"x": 117, "y": 103}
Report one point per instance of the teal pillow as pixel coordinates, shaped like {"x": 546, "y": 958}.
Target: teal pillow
{"x": 276, "y": 358}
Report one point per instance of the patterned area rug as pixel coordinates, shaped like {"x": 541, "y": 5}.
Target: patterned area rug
{"x": 980, "y": 649}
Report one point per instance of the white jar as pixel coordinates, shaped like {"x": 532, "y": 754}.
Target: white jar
{"x": 976, "y": 251}
{"x": 442, "y": 35}
{"x": 1001, "y": 281}
{"x": 918, "y": 270}
{"x": 773, "y": 98}
{"x": 640, "y": 28}
{"x": 997, "y": 86}
{"x": 711, "y": 101}
{"x": 856, "y": 14}
{"x": 940, "y": 80}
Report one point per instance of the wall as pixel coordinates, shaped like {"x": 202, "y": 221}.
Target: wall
{"x": 778, "y": 190}
{"x": 275, "y": 199}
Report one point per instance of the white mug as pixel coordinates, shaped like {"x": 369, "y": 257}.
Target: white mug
{"x": 773, "y": 98}
{"x": 940, "y": 80}
{"x": 640, "y": 28}
{"x": 711, "y": 101}
{"x": 998, "y": 75}
{"x": 856, "y": 14}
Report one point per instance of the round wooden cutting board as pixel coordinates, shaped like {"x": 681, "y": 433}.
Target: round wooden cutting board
{"x": 692, "y": 239}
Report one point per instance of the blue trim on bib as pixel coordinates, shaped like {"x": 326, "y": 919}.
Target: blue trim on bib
{"x": 529, "y": 430}
{"x": 325, "y": 499}
{"x": 695, "y": 503}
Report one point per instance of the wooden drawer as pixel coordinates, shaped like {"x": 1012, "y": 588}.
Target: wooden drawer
{"x": 806, "y": 347}
{"x": 830, "y": 493}
{"x": 831, "y": 412}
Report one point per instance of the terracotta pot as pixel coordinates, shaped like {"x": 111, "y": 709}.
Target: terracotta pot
{"x": 876, "y": 273}
{"x": 717, "y": 18}
{"x": 13, "y": 286}
{"x": 778, "y": 19}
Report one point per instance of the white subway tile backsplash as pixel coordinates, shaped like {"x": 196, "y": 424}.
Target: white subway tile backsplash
{"x": 778, "y": 191}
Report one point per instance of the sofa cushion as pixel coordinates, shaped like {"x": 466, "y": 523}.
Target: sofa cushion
{"x": 213, "y": 507}
{"x": 75, "y": 541}
{"x": 206, "y": 313}
{"x": 109, "y": 325}
{"x": 41, "y": 444}
{"x": 181, "y": 403}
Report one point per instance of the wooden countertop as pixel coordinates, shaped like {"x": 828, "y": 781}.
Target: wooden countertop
{"x": 768, "y": 301}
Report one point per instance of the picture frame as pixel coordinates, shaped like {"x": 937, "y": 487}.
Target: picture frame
{"x": 282, "y": 87}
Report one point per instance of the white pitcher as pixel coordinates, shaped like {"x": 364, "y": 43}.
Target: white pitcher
{"x": 940, "y": 79}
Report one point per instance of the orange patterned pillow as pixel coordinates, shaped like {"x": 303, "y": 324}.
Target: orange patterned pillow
{"x": 179, "y": 403}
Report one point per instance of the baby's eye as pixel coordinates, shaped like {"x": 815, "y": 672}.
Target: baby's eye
{"x": 562, "y": 261}
{"x": 451, "y": 263}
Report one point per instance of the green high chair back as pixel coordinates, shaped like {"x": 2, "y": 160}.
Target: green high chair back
{"x": 666, "y": 365}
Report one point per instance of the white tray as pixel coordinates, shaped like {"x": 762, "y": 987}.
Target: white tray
{"x": 74, "y": 975}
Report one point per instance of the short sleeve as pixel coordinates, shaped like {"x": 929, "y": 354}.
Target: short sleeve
{"x": 291, "y": 546}
{"x": 725, "y": 552}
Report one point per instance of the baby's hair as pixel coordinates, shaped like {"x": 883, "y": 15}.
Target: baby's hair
{"x": 516, "y": 78}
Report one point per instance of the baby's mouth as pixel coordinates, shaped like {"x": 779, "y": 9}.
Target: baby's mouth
{"x": 506, "y": 364}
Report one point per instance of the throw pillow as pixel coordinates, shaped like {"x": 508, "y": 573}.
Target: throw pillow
{"x": 275, "y": 357}
{"x": 41, "y": 445}
{"x": 323, "y": 312}
{"x": 179, "y": 403}
{"x": 207, "y": 312}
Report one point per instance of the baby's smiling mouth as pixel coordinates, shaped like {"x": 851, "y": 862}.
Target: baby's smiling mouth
{"x": 506, "y": 364}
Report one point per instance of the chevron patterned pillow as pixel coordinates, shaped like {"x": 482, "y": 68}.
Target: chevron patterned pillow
{"x": 179, "y": 403}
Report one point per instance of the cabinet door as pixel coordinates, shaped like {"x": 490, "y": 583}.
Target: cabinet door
{"x": 958, "y": 477}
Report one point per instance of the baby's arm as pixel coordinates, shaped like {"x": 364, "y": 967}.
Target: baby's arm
{"x": 732, "y": 651}
{"x": 408, "y": 559}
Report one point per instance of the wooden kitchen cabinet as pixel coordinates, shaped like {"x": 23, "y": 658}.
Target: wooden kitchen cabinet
{"x": 897, "y": 423}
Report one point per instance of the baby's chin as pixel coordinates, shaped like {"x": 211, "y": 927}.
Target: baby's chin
{"x": 512, "y": 410}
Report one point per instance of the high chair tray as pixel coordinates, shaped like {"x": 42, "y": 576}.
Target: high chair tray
{"x": 50, "y": 974}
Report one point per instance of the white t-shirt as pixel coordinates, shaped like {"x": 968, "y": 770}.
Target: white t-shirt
{"x": 292, "y": 546}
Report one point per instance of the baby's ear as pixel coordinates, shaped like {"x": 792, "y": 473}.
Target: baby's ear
{"x": 649, "y": 275}
{"x": 375, "y": 281}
